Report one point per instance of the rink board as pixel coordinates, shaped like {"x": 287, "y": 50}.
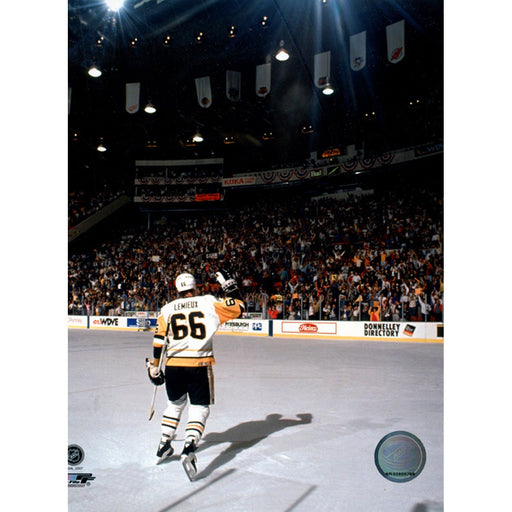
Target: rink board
{"x": 429, "y": 332}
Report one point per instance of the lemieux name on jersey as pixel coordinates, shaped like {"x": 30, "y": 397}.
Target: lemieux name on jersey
{"x": 189, "y": 304}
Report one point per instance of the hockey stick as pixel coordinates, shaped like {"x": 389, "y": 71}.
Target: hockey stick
{"x": 162, "y": 357}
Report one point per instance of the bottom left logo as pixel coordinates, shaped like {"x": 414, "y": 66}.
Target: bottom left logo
{"x": 75, "y": 457}
{"x": 79, "y": 479}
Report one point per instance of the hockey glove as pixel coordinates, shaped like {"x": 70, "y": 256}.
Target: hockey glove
{"x": 154, "y": 374}
{"x": 228, "y": 284}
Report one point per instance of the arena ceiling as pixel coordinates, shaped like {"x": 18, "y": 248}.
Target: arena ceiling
{"x": 155, "y": 43}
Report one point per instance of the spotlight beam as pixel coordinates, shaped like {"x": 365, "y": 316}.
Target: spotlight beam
{"x": 114, "y": 5}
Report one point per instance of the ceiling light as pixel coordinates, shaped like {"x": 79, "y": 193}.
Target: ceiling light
{"x": 114, "y": 5}
{"x": 282, "y": 54}
{"x": 101, "y": 147}
{"x": 94, "y": 72}
{"x": 197, "y": 137}
{"x": 150, "y": 108}
{"x": 327, "y": 90}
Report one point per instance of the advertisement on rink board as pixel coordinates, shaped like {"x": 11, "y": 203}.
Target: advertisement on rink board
{"x": 78, "y": 321}
{"x": 245, "y": 326}
{"x": 122, "y": 322}
{"x": 379, "y": 331}
{"x": 385, "y": 331}
{"x": 306, "y": 327}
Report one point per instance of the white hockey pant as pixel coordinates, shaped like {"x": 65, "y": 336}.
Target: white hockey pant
{"x": 171, "y": 417}
{"x": 197, "y": 416}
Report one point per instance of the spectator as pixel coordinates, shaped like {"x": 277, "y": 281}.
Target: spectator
{"x": 346, "y": 313}
{"x": 412, "y": 313}
{"x": 374, "y": 314}
{"x": 424, "y": 308}
{"x": 314, "y": 307}
{"x": 396, "y": 311}
{"x": 272, "y": 311}
{"x": 385, "y": 310}
{"x": 356, "y": 311}
{"x": 437, "y": 310}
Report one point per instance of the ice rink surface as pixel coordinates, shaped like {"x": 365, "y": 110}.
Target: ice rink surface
{"x": 294, "y": 427}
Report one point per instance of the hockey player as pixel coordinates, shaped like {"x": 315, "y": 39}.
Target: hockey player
{"x": 189, "y": 323}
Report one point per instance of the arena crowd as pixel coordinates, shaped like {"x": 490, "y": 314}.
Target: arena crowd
{"x": 362, "y": 258}
{"x": 82, "y": 204}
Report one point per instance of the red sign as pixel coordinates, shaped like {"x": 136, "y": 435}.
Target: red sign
{"x": 208, "y": 197}
{"x": 308, "y": 328}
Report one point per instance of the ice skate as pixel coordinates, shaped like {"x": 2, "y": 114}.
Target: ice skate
{"x": 165, "y": 450}
{"x": 189, "y": 460}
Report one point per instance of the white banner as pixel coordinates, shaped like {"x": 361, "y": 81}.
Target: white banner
{"x": 358, "y": 51}
{"x": 77, "y": 321}
{"x": 322, "y": 69}
{"x": 395, "y": 41}
{"x": 306, "y": 327}
{"x": 263, "y": 79}
{"x": 107, "y": 322}
{"x": 137, "y": 322}
{"x": 204, "y": 91}
{"x": 233, "y": 85}
{"x": 245, "y": 326}
{"x": 132, "y": 97}
{"x": 430, "y": 332}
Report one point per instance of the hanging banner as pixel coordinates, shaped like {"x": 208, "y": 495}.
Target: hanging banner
{"x": 263, "y": 79}
{"x": 204, "y": 91}
{"x": 233, "y": 85}
{"x": 358, "y": 51}
{"x": 132, "y": 97}
{"x": 322, "y": 69}
{"x": 395, "y": 41}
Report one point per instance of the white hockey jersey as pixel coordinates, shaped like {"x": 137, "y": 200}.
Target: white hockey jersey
{"x": 190, "y": 324}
